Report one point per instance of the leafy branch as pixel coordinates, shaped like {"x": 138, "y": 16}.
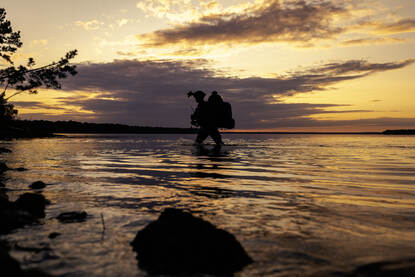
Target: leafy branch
{"x": 26, "y": 78}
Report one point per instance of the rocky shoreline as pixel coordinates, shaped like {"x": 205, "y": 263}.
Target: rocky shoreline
{"x": 28, "y": 209}
{"x": 176, "y": 234}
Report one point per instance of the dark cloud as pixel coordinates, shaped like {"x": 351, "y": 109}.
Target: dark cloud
{"x": 274, "y": 20}
{"x": 402, "y": 26}
{"x": 154, "y": 92}
{"x": 359, "y": 67}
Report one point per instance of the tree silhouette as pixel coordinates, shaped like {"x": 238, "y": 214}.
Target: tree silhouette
{"x": 25, "y": 78}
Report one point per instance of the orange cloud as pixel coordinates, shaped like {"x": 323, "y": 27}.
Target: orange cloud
{"x": 405, "y": 25}
{"x": 294, "y": 21}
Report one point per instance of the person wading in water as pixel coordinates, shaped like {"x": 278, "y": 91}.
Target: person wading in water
{"x": 205, "y": 117}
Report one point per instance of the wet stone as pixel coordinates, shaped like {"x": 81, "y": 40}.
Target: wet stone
{"x": 37, "y": 185}
{"x": 54, "y": 235}
{"x": 12, "y": 218}
{"x": 4, "y": 150}
{"x": 70, "y": 217}
{"x": 402, "y": 268}
{"x": 4, "y": 201}
{"x": 3, "y": 167}
{"x": 178, "y": 243}
{"x": 32, "y": 203}
{"x": 398, "y": 268}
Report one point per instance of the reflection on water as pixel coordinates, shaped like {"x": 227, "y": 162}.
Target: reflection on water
{"x": 297, "y": 203}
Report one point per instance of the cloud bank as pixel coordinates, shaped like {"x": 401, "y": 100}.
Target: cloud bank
{"x": 154, "y": 92}
{"x": 298, "y": 21}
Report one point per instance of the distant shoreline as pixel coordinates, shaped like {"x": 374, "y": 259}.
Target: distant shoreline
{"x": 44, "y": 128}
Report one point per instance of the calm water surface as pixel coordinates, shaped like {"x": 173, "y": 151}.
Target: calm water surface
{"x": 297, "y": 203}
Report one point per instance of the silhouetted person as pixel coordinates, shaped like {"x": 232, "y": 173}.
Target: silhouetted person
{"x": 205, "y": 117}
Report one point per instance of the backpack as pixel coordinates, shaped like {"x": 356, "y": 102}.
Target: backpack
{"x": 225, "y": 119}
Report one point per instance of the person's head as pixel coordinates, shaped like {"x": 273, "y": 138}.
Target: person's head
{"x": 199, "y": 96}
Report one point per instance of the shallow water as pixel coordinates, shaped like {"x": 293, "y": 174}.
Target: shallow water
{"x": 298, "y": 203}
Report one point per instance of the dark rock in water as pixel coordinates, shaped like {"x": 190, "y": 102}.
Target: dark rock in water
{"x": 179, "y": 243}
{"x": 37, "y": 185}
{"x": 4, "y": 201}
{"x": 70, "y": 217}
{"x": 403, "y": 268}
{"x": 54, "y": 235}
{"x": 32, "y": 203}
{"x": 35, "y": 273}
{"x": 11, "y": 218}
{"x": 3, "y": 167}
{"x": 4, "y": 150}
{"x": 399, "y": 268}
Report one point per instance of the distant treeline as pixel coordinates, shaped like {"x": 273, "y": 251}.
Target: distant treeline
{"x": 84, "y": 127}
{"x": 399, "y": 132}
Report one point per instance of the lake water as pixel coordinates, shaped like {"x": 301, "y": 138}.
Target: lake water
{"x": 298, "y": 204}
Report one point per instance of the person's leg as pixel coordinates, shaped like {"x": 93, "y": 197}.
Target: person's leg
{"x": 202, "y": 135}
{"x": 215, "y": 135}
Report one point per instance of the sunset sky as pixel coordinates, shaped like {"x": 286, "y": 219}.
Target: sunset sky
{"x": 283, "y": 65}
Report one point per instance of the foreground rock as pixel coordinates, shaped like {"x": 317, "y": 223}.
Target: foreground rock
{"x": 397, "y": 268}
{"x": 32, "y": 203}
{"x": 70, "y": 217}
{"x": 54, "y": 235}
{"x": 179, "y": 243}
{"x": 402, "y": 268}
{"x": 3, "y": 167}
{"x": 37, "y": 185}
{"x": 4, "y": 150}
{"x": 24, "y": 211}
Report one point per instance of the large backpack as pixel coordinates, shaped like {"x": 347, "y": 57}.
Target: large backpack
{"x": 225, "y": 119}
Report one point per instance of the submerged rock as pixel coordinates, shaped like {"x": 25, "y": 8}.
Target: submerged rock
{"x": 37, "y": 185}
{"x": 402, "y": 268}
{"x": 54, "y": 235}
{"x": 70, "y": 217}
{"x": 3, "y": 167}
{"x": 4, "y": 200}
{"x": 12, "y": 218}
{"x": 32, "y": 203}
{"x": 4, "y": 150}
{"x": 179, "y": 243}
{"x": 397, "y": 268}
